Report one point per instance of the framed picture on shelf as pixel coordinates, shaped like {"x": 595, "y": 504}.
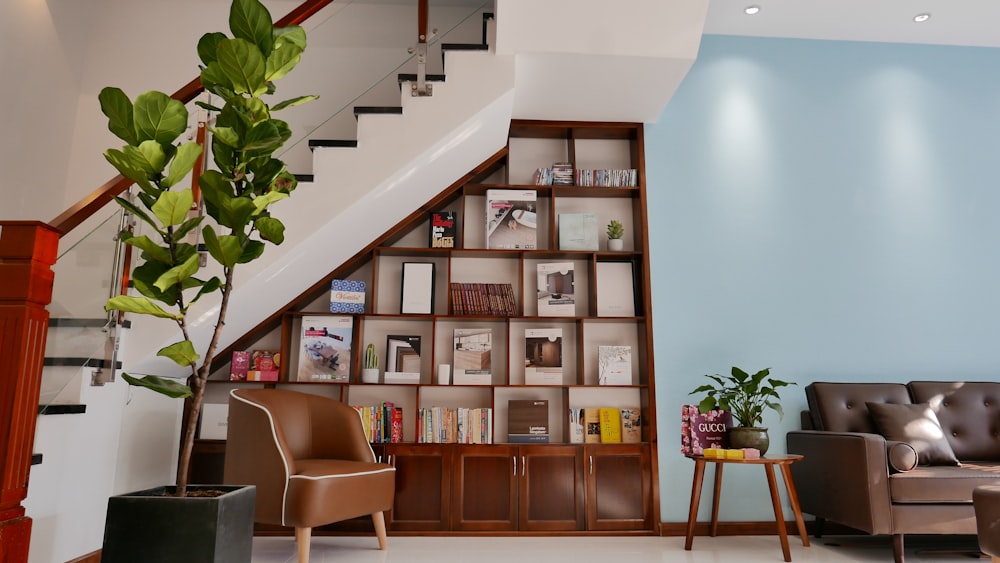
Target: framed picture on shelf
{"x": 402, "y": 359}
{"x": 417, "y": 288}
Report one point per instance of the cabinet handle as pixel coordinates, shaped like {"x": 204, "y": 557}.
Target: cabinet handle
{"x": 523, "y": 465}
{"x": 591, "y": 464}
{"x": 515, "y": 466}
{"x": 388, "y": 459}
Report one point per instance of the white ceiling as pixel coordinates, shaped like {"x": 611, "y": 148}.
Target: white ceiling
{"x": 952, "y": 22}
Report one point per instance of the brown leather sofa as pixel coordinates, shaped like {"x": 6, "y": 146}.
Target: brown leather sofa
{"x": 310, "y": 460}
{"x": 906, "y": 484}
{"x": 986, "y": 499}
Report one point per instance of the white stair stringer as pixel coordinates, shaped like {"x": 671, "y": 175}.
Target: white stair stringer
{"x": 400, "y": 163}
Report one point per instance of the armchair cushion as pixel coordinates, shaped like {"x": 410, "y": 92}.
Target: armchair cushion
{"x": 917, "y": 425}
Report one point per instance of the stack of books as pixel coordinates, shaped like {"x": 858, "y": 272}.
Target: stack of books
{"x": 487, "y": 299}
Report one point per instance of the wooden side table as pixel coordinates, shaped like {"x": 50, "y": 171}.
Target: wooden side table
{"x": 781, "y": 461}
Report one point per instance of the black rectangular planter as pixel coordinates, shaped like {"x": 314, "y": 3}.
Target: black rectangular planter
{"x": 153, "y": 527}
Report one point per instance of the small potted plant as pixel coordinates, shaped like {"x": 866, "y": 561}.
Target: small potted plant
{"x": 615, "y": 233}
{"x": 746, "y": 397}
{"x": 370, "y": 372}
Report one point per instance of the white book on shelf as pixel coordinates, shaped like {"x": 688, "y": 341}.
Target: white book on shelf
{"x": 615, "y": 289}
{"x": 614, "y": 365}
{"x": 214, "y": 421}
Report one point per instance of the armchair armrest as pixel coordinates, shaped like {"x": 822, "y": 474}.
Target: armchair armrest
{"x": 844, "y": 478}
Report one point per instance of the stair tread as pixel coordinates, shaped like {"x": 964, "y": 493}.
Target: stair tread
{"x": 62, "y": 409}
{"x": 60, "y": 361}
{"x": 465, "y": 46}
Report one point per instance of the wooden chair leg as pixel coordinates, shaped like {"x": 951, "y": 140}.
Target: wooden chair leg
{"x": 378, "y": 519}
{"x": 897, "y": 548}
{"x": 302, "y": 537}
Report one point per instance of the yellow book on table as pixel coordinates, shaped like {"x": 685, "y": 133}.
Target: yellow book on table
{"x": 611, "y": 425}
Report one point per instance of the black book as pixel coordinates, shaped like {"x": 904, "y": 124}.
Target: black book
{"x": 444, "y": 229}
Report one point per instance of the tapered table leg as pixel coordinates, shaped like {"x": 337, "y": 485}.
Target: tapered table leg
{"x": 699, "y": 477}
{"x": 779, "y": 518}
{"x": 793, "y": 499}
{"x": 715, "y": 500}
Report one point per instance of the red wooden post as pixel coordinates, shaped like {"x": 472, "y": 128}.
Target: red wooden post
{"x": 27, "y": 251}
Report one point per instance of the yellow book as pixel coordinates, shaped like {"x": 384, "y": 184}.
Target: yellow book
{"x": 611, "y": 425}
{"x": 714, "y": 452}
{"x": 592, "y": 425}
{"x": 734, "y": 454}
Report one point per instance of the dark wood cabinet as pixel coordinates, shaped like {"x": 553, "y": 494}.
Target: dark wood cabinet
{"x": 619, "y": 491}
{"x": 526, "y": 488}
{"x": 423, "y": 486}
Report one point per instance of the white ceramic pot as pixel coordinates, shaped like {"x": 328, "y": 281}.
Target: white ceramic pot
{"x": 616, "y": 244}
{"x": 369, "y": 375}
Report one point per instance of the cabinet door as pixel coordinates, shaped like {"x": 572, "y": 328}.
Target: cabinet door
{"x": 423, "y": 486}
{"x": 619, "y": 492}
{"x": 485, "y": 496}
{"x": 551, "y": 488}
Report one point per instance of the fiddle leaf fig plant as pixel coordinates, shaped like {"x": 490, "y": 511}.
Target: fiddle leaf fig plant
{"x": 744, "y": 395}
{"x": 237, "y": 196}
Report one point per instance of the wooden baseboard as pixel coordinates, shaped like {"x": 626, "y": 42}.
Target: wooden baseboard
{"x": 753, "y": 529}
{"x": 94, "y": 557}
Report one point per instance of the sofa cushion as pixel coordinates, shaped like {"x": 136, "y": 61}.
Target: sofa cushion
{"x": 969, "y": 412}
{"x": 942, "y": 484}
{"x": 916, "y": 425}
{"x": 840, "y": 407}
{"x": 902, "y": 456}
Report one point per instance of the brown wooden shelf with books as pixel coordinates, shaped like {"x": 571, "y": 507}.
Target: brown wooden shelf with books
{"x": 499, "y": 293}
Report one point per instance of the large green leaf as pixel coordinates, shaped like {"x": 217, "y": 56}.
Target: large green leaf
{"x": 293, "y": 34}
{"x": 251, "y": 252}
{"x": 144, "y": 276}
{"x": 186, "y": 227}
{"x": 282, "y": 60}
{"x": 183, "y": 163}
{"x": 140, "y": 305}
{"x": 208, "y": 287}
{"x": 152, "y": 250}
{"x": 116, "y": 105}
{"x": 208, "y": 45}
{"x": 250, "y": 20}
{"x": 227, "y": 136}
{"x": 127, "y": 168}
{"x": 263, "y": 201}
{"x": 177, "y": 274}
{"x": 293, "y": 102}
{"x": 243, "y": 66}
{"x": 172, "y": 208}
{"x": 137, "y": 211}
{"x": 271, "y": 229}
{"x": 226, "y": 250}
{"x": 263, "y": 137}
{"x": 158, "y": 117}
{"x": 182, "y": 353}
{"x": 153, "y": 156}
{"x": 163, "y": 386}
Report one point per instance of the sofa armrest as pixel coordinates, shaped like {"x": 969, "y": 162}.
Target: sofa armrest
{"x": 844, "y": 478}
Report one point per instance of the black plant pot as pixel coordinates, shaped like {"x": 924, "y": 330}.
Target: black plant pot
{"x": 746, "y": 437}
{"x": 152, "y": 527}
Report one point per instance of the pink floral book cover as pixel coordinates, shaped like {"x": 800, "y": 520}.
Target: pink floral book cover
{"x": 703, "y": 430}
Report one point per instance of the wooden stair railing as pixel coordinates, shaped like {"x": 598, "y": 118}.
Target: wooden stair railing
{"x": 83, "y": 209}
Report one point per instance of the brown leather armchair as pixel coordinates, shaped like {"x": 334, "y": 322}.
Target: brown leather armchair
{"x": 310, "y": 460}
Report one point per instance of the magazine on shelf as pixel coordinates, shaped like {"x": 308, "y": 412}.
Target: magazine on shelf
{"x": 264, "y": 365}
{"x": 578, "y": 231}
{"x": 631, "y": 425}
{"x": 443, "y": 229}
{"x": 614, "y": 365}
{"x": 472, "y": 358}
{"x": 543, "y": 356}
{"x": 402, "y": 359}
{"x": 511, "y": 219}
{"x": 528, "y": 421}
{"x": 325, "y": 348}
{"x": 347, "y": 296}
{"x": 556, "y": 294}
{"x": 239, "y": 366}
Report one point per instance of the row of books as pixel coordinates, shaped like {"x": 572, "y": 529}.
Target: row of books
{"x": 563, "y": 174}
{"x": 605, "y": 425}
{"x": 462, "y": 425}
{"x": 488, "y": 299}
{"x": 383, "y": 423}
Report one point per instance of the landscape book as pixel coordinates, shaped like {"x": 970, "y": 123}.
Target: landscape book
{"x": 614, "y": 365}
{"x": 443, "y": 229}
{"x": 511, "y": 219}
{"x": 528, "y": 421}
{"x": 325, "y": 349}
{"x": 543, "y": 362}
{"x": 556, "y": 295}
{"x": 472, "y": 356}
{"x": 347, "y": 296}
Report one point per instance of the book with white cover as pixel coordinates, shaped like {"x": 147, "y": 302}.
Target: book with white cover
{"x": 614, "y": 365}
{"x": 511, "y": 219}
{"x": 556, "y": 295}
{"x": 214, "y": 421}
{"x": 325, "y": 349}
{"x": 615, "y": 289}
{"x": 543, "y": 356}
{"x": 578, "y": 231}
{"x": 472, "y": 356}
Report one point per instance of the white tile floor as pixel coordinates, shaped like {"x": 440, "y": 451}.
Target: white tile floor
{"x": 578, "y": 549}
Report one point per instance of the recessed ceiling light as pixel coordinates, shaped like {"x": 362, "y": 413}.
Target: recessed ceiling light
{"x": 751, "y": 10}
{"x": 921, "y": 18}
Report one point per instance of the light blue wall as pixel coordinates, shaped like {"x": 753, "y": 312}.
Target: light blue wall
{"x": 827, "y": 209}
